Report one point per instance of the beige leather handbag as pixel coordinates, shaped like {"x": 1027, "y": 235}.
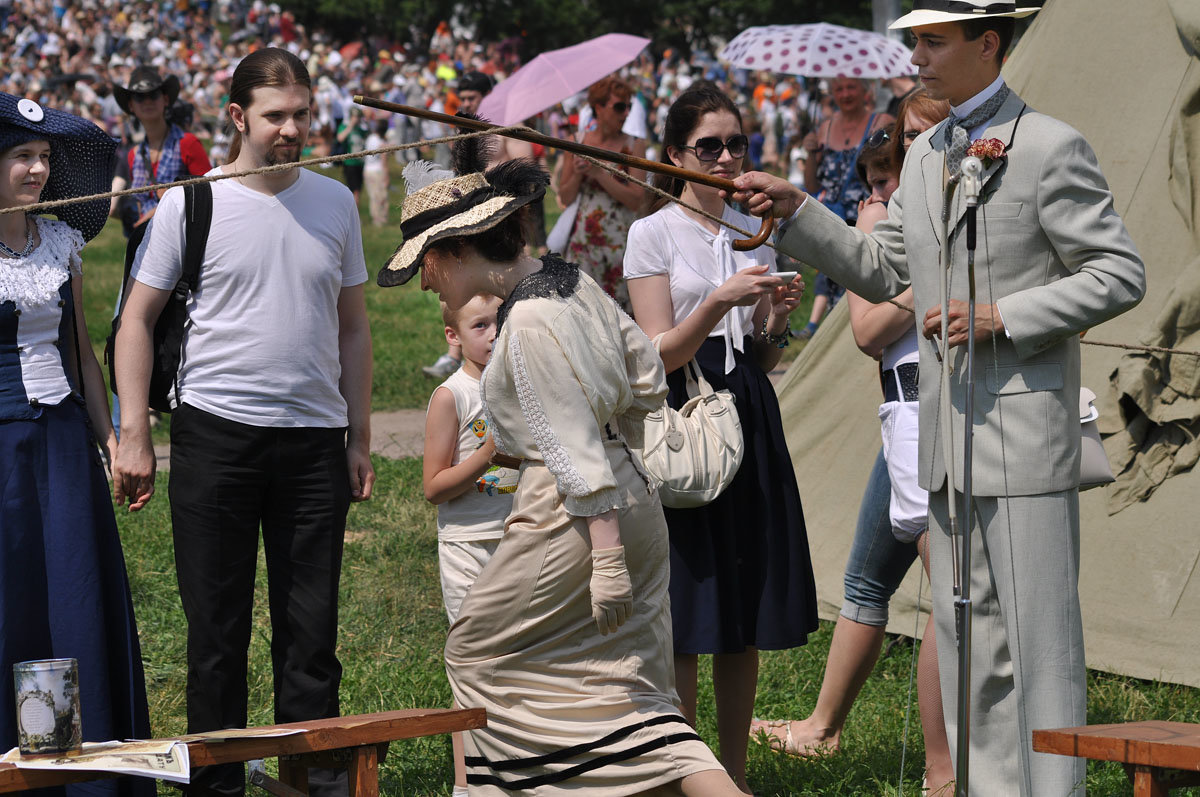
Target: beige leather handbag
{"x": 694, "y": 452}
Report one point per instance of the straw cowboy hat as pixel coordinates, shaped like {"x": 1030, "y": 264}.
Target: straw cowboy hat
{"x": 932, "y": 12}
{"x": 144, "y": 80}
{"x": 81, "y": 158}
{"x": 439, "y": 204}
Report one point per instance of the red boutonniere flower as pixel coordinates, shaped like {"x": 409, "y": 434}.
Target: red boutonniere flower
{"x": 988, "y": 150}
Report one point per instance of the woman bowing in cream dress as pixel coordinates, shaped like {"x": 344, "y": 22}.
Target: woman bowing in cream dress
{"x": 565, "y": 638}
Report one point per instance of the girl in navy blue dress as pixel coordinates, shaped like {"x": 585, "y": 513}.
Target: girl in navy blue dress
{"x": 63, "y": 589}
{"x": 741, "y": 577}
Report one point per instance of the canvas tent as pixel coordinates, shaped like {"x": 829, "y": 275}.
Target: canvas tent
{"x": 1127, "y": 76}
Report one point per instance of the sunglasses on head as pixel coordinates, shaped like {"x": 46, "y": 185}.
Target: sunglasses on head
{"x": 879, "y": 138}
{"x": 619, "y": 107}
{"x": 709, "y": 148}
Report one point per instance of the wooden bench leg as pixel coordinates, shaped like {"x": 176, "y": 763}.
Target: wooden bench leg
{"x": 1146, "y": 781}
{"x": 293, "y": 771}
{"x": 364, "y": 772}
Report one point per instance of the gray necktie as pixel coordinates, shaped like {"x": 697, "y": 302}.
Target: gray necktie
{"x": 957, "y": 140}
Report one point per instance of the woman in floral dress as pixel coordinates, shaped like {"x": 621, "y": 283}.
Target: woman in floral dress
{"x": 608, "y": 204}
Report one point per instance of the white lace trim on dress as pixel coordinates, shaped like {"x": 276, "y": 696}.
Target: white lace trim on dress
{"x": 578, "y": 498}
{"x": 34, "y": 280}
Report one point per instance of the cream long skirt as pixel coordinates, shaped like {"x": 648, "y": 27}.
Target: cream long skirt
{"x": 570, "y": 709}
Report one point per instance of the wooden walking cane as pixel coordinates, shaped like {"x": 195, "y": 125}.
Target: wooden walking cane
{"x": 620, "y": 158}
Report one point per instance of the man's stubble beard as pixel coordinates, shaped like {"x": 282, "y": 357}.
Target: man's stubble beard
{"x": 271, "y": 158}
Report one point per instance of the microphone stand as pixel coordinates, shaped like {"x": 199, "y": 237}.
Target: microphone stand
{"x": 971, "y": 184}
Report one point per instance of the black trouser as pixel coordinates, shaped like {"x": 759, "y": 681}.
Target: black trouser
{"x": 227, "y": 478}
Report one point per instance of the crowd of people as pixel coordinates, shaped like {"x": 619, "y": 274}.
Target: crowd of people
{"x": 578, "y": 604}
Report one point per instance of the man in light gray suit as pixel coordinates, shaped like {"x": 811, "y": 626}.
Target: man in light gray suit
{"x": 1053, "y": 260}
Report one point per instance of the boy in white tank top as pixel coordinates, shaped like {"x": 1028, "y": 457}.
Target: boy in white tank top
{"x": 473, "y": 496}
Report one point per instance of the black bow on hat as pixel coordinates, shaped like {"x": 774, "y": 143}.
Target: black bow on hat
{"x": 81, "y": 158}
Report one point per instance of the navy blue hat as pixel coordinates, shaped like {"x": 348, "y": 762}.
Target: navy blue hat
{"x": 81, "y": 158}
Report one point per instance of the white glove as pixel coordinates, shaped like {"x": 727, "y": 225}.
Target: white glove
{"x": 612, "y": 593}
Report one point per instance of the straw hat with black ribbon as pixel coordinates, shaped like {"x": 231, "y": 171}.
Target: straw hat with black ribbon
{"x": 440, "y": 203}
{"x": 145, "y": 80}
{"x": 81, "y": 158}
{"x": 933, "y": 12}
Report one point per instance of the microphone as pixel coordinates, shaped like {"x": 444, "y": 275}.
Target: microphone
{"x": 972, "y": 184}
{"x": 972, "y": 173}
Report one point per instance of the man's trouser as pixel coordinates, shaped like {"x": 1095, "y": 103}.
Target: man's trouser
{"x": 227, "y": 479}
{"x": 1027, "y": 668}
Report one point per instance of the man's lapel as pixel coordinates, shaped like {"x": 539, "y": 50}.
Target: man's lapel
{"x": 1002, "y": 126}
{"x": 933, "y": 172}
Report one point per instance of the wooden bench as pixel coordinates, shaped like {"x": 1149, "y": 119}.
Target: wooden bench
{"x": 1153, "y": 752}
{"x": 358, "y": 743}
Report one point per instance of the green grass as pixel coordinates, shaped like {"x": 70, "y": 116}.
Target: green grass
{"x": 393, "y": 626}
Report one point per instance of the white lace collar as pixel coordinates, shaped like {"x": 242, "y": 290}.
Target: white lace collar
{"x": 34, "y": 280}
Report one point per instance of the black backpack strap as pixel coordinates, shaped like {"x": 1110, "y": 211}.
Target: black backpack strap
{"x": 197, "y": 211}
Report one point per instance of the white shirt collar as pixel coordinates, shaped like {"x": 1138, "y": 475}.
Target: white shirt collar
{"x": 964, "y": 110}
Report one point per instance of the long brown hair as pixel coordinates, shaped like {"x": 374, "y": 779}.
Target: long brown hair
{"x": 686, "y": 112}
{"x": 269, "y": 66}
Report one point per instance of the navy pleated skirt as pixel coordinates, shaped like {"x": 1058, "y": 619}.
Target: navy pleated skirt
{"x": 63, "y": 588}
{"x": 741, "y": 574}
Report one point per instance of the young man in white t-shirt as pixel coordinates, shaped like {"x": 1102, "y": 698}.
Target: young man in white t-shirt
{"x": 272, "y": 426}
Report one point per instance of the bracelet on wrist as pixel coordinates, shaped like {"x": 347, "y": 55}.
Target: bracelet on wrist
{"x": 781, "y": 340}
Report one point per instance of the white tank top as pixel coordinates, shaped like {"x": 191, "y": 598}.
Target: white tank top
{"x": 479, "y": 513}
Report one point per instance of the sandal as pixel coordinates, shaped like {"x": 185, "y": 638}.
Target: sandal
{"x": 764, "y": 735}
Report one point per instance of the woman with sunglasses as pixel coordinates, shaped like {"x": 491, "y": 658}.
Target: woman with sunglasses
{"x": 607, "y": 203}
{"x": 889, "y": 533}
{"x": 741, "y": 577}
{"x": 166, "y": 153}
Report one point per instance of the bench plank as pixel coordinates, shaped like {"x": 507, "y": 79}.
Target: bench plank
{"x": 1153, "y": 743}
{"x": 322, "y": 734}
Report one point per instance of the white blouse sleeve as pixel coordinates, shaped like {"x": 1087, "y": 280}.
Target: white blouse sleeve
{"x": 644, "y": 254}
{"x": 562, "y": 423}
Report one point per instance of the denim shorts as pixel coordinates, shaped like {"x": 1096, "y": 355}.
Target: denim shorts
{"x": 878, "y": 561}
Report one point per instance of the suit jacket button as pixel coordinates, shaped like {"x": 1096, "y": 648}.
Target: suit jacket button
{"x": 61, "y": 303}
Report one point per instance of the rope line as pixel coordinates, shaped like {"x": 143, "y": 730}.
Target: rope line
{"x": 614, "y": 170}
{"x": 279, "y": 167}
{"x": 1085, "y": 341}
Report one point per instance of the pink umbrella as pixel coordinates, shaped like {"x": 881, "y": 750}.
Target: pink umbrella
{"x": 552, "y": 77}
{"x": 819, "y": 50}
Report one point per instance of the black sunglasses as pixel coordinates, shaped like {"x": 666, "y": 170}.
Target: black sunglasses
{"x": 619, "y": 107}
{"x": 146, "y": 96}
{"x": 879, "y": 138}
{"x": 709, "y": 148}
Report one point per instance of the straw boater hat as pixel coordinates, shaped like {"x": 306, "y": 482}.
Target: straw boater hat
{"x": 144, "y": 80}
{"x": 81, "y": 158}
{"x": 440, "y": 204}
{"x": 932, "y": 12}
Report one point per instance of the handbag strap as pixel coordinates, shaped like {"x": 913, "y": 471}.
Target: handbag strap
{"x": 697, "y": 385}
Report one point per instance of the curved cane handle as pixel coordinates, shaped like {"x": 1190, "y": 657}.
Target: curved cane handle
{"x": 764, "y": 232}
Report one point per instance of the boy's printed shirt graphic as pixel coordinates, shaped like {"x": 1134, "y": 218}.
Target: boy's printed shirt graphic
{"x": 497, "y": 480}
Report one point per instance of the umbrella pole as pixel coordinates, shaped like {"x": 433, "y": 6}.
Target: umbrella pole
{"x": 620, "y": 158}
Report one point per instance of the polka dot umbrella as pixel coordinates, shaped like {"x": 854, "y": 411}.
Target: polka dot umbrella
{"x": 819, "y": 50}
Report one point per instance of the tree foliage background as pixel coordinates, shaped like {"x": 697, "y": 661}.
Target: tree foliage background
{"x": 549, "y": 24}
